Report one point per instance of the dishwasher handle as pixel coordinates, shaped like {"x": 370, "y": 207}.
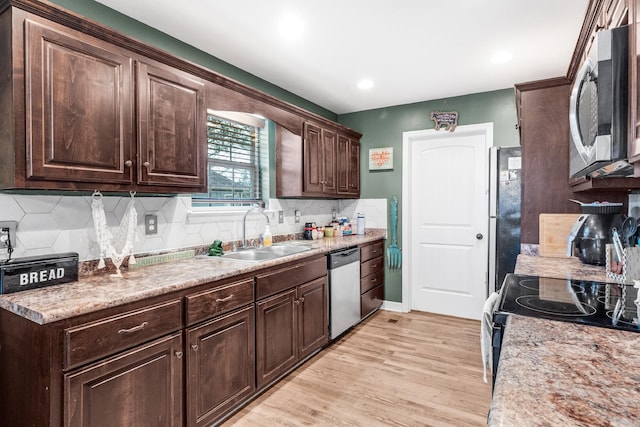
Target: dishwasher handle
{"x": 340, "y": 258}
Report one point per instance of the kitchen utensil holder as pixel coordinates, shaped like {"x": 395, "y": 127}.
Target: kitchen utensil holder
{"x": 630, "y": 264}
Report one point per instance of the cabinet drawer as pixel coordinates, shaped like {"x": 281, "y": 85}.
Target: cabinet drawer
{"x": 94, "y": 340}
{"x": 286, "y": 278}
{"x": 371, "y": 300}
{"x": 371, "y": 266}
{"x": 371, "y": 251}
{"x": 218, "y": 300}
{"x": 371, "y": 281}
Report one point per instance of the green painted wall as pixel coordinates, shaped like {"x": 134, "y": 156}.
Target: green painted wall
{"x": 384, "y": 127}
{"x": 135, "y": 29}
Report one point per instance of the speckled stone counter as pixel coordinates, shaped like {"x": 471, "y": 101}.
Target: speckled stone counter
{"x": 93, "y": 293}
{"x": 554, "y": 373}
{"x": 563, "y": 268}
{"x": 562, "y": 374}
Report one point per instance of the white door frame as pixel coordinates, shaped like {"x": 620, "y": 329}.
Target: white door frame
{"x": 405, "y": 305}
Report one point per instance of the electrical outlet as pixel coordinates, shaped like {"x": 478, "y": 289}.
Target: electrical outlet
{"x": 280, "y": 217}
{"x": 151, "y": 224}
{"x": 296, "y": 214}
{"x": 8, "y": 234}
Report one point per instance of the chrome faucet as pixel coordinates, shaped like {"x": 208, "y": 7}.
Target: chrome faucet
{"x": 244, "y": 224}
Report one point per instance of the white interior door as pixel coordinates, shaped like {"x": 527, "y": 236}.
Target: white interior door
{"x": 445, "y": 216}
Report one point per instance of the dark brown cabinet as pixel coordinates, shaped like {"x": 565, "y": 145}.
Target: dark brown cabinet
{"x": 70, "y": 110}
{"x": 171, "y": 119}
{"x": 348, "y": 160}
{"x": 371, "y": 277}
{"x": 291, "y": 320}
{"x": 323, "y": 163}
{"x": 140, "y": 387}
{"x": 220, "y": 365}
{"x": 319, "y": 151}
{"x": 78, "y": 107}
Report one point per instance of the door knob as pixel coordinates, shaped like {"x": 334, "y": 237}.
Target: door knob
{"x": 479, "y": 236}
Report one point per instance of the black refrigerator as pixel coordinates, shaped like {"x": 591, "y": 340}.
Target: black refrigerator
{"x": 505, "y": 201}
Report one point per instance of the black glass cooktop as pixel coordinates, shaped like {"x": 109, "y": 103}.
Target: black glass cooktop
{"x": 608, "y": 305}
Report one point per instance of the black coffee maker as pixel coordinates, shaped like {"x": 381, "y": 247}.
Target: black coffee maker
{"x": 592, "y": 232}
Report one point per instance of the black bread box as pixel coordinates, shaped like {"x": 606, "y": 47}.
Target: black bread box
{"x": 21, "y": 274}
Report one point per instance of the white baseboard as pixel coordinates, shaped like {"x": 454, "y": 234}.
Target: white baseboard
{"x": 393, "y": 306}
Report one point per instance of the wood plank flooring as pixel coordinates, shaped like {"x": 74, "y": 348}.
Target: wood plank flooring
{"x": 394, "y": 369}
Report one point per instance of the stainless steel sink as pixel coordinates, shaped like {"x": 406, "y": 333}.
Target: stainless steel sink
{"x": 251, "y": 255}
{"x": 284, "y": 250}
{"x": 266, "y": 253}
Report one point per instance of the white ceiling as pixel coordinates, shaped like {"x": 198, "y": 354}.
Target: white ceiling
{"x": 413, "y": 50}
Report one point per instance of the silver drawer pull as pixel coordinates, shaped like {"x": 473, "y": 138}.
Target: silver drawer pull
{"x": 134, "y": 329}
{"x": 194, "y": 347}
{"x": 375, "y": 279}
{"x": 179, "y": 354}
{"x": 225, "y": 299}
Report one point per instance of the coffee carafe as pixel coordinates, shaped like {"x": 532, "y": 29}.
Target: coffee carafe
{"x": 589, "y": 237}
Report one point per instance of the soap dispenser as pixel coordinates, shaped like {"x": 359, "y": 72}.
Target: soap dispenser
{"x": 267, "y": 237}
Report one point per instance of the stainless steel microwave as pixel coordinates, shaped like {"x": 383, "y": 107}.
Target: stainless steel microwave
{"x": 598, "y": 109}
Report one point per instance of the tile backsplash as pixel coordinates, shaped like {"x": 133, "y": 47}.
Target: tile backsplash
{"x": 64, "y": 223}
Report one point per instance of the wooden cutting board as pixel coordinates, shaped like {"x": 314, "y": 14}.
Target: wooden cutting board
{"x": 554, "y": 230}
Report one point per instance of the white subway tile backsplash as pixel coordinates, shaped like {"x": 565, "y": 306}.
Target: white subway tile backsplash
{"x": 53, "y": 224}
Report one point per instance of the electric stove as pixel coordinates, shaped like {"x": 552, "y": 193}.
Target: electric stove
{"x": 609, "y": 305}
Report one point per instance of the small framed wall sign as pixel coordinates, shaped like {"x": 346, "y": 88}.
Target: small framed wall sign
{"x": 380, "y": 158}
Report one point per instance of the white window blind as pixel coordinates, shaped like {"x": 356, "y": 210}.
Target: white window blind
{"x": 234, "y": 173}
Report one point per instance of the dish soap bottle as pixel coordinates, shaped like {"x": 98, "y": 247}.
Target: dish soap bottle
{"x": 267, "y": 237}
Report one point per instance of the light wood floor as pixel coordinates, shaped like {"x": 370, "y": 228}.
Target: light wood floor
{"x": 394, "y": 369}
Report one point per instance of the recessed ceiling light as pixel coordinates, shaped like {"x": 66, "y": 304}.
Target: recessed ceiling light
{"x": 291, "y": 28}
{"x": 365, "y": 84}
{"x": 501, "y": 57}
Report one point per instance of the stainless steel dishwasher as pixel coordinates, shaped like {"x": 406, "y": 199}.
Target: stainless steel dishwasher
{"x": 344, "y": 290}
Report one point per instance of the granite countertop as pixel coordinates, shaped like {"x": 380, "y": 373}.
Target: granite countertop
{"x": 562, "y": 268}
{"x": 554, "y": 373}
{"x": 564, "y": 374}
{"x": 97, "y": 292}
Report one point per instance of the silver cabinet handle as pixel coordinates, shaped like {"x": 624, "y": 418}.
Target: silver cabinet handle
{"x": 179, "y": 354}
{"x": 134, "y": 329}
{"x": 128, "y": 163}
{"x": 194, "y": 347}
{"x": 225, "y": 298}
{"x": 146, "y": 164}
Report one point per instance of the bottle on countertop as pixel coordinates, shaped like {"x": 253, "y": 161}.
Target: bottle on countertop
{"x": 267, "y": 237}
{"x": 360, "y": 223}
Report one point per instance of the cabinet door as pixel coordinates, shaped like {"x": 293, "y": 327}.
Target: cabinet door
{"x": 220, "y": 365}
{"x": 329, "y": 153}
{"x": 171, "y": 127}
{"x": 276, "y": 336}
{"x": 312, "y": 153}
{"x": 354, "y": 168}
{"x": 343, "y": 164}
{"x": 79, "y": 110}
{"x": 348, "y": 171}
{"x": 141, "y": 387}
{"x": 312, "y": 308}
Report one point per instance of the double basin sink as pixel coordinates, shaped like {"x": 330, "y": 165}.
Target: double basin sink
{"x": 266, "y": 253}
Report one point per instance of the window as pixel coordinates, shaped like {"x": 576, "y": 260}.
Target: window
{"x": 237, "y": 146}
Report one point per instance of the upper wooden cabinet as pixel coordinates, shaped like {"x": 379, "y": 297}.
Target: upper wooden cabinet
{"x": 319, "y": 151}
{"x": 323, "y": 163}
{"x": 348, "y": 166}
{"x": 78, "y": 112}
{"x": 171, "y": 119}
{"x": 75, "y": 127}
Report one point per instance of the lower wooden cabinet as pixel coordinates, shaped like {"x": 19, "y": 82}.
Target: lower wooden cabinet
{"x": 371, "y": 277}
{"x": 290, "y": 325}
{"x": 140, "y": 387}
{"x": 220, "y": 365}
